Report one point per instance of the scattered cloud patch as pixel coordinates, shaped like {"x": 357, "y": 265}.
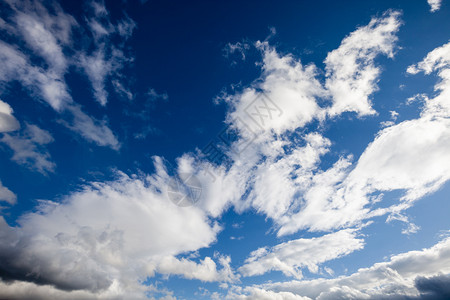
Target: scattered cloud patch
{"x": 7, "y": 121}
{"x": 29, "y": 148}
{"x": 6, "y": 195}
{"x": 290, "y": 257}
{"x": 435, "y": 5}
{"x": 239, "y": 49}
{"x": 351, "y": 72}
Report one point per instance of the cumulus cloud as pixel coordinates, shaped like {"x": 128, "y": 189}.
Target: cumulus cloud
{"x": 29, "y": 148}
{"x": 410, "y": 275}
{"x": 283, "y": 99}
{"x": 290, "y": 257}
{"x": 107, "y": 237}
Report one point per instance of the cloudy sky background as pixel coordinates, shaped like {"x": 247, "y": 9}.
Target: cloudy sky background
{"x": 333, "y": 121}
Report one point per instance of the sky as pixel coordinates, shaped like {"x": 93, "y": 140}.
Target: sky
{"x": 224, "y": 150}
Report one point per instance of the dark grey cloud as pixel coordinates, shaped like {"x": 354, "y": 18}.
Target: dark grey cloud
{"x": 434, "y": 288}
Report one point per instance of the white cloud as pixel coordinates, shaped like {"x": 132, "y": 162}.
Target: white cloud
{"x": 29, "y": 148}
{"x": 97, "y": 68}
{"x": 48, "y": 35}
{"x": 91, "y": 129}
{"x": 391, "y": 122}
{"x": 277, "y": 173}
{"x": 45, "y": 83}
{"x": 282, "y": 99}
{"x": 435, "y": 5}
{"x": 273, "y": 175}
{"x": 7, "y": 121}
{"x": 106, "y": 237}
{"x": 42, "y": 41}
{"x": 401, "y": 276}
{"x": 351, "y": 72}
{"x": 437, "y": 61}
{"x": 277, "y": 180}
{"x": 206, "y": 270}
{"x": 266, "y": 175}
{"x": 290, "y": 257}
{"x": 7, "y": 195}
{"x": 320, "y": 208}
{"x": 410, "y": 156}
{"x": 261, "y": 294}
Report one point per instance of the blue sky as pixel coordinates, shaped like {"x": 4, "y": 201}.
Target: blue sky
{"x": 224, "y": 150}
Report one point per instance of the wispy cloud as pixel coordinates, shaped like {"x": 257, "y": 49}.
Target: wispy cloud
{"x": 29, "y": 148}
{"x": 351, "y": 72}
{"x": 7, "y": 195}
{"x": 90, "y": 128}
{"x": 50, "y": 37}
{"x": 107, "y": 58}
{"x": 290, "y": 257}
{"x": 8, "y": 123}
{"x": 239, "y": 48}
